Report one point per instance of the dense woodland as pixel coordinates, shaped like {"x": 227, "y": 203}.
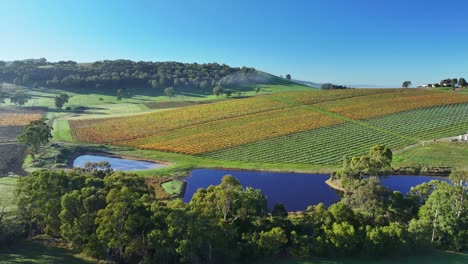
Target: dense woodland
{"x": 113, "y": 215}
{"x": 126, "y": 74}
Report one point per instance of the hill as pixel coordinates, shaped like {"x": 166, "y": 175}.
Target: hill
{"x": 110, "y": 75}
{"x": 305, "y": 127}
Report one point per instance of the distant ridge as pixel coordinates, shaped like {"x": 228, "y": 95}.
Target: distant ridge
{"x": 319, "y": 85}
{"x": 310, "y": 84}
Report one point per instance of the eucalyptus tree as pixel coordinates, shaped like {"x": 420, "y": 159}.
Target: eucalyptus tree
{"x": 406, "y": 84}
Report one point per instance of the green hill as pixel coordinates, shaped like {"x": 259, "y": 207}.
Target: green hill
{"x": 106, "y": 77}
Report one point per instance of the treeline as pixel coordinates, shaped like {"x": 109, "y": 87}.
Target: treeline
{"x": 330, "y": 86}
{"x": 125, "y": 73}
{"x": 449, "y": 82}
{"x": 113, "y": 215}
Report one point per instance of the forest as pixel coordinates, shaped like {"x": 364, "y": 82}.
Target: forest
{"x": 116, "y": 216}
{"x": 115, "y": 74}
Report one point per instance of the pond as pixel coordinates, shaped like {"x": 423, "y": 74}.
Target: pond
{"x": 295, "y": 190}
{"x": 117, "y": 164}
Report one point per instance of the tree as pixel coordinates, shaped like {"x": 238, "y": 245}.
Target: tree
{"x": 406, "y": 84}
{"x": 20, "y": 99}
{"x": 462, "y": 82}
{"x": 279, "y": 210}
{"x": 3, "y": 96}
{"x": 120, "y": 94}
{"x": 288, "y": 76}
{"x": 376, "y": 163}
{"x": 381, "y": 159}
{"x": 125, "y": 220}
{"x": 35, "y": 134}
{"x": 446, "y": 82}
{"x": 39, "y": 196}
{"x": 228, "y": 93}
{"x": 370, "y": 198}
{"x": 61, "y": 100}
{"x": 154, "y": 84}
{"x": 342, "y": 237}
{"x": 387, "y": 240}
{"x": 78, "y": 215}
{"x": 453, "y": 82}
{"x": 218, "y": 90}
{"x": 271, "y": 242}
{"x": 169, "y": 91}
{"x": 442, "y": 220}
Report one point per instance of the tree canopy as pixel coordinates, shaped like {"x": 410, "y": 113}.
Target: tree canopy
{"x": 116, "y": 216}
{"x": 36, "y": 134}
{"x": 406, "y": 84}
{"x": 109, "y": 74}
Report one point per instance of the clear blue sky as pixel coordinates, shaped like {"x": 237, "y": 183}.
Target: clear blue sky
{"x": 341, "y": 41}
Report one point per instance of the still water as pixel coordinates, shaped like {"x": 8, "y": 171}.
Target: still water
{"x": 295, "y": 190}
{"x": 117, "y": 164}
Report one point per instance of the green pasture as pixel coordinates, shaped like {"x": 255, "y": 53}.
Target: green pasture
{"x": 173, "y": 187}
{"x": 434, "y": 154}
{"x": 7, "y": 193}
{"x": 436, "y": 257}
{"x": 37, "y": 253}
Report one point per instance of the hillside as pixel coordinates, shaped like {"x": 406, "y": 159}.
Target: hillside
{"x": 110, "y": 75}
{"x": 305, "y": 127}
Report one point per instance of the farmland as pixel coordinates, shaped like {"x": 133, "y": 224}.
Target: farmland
{"x": 236, "y": 131}
{"x": 313, "y": 127}
{"x": 17, "y": 117}
{"x": 364, "y": 107}
{"x": 12, "y": 121}
{"x": 329, "y": 144}
{"x": 96, "y": 131}
{"x": 325, "y": 145}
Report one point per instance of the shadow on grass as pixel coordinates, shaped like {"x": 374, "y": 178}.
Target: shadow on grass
{"x": 35, "y": 252}
{"x": 430, "y": 257}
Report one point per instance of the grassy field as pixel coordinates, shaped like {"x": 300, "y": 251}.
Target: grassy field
{"x": 37, "y": 253}
{"x": 173, "y": 187}
{"x": 435, "y": 154}
{"x": 11, "y": 158}
{"x": 427, "y": 258}
{"x": 7, "y": 197}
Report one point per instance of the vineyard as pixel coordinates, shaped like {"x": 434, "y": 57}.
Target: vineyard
{"x": 13, "y": 117}
{"x": 236, "y": 131}
{"x": 427, "y": 123}
{"x": 296, "y": 127}
{"x": 329, "y": 144}
{"x": 120, "y": 129}
{"x": 320, "y": 146}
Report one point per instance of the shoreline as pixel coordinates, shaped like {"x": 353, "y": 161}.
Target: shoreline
{"x": 335, "y": 184}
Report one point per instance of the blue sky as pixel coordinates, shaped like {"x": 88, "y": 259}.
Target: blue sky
{"x": 340, "y": 41}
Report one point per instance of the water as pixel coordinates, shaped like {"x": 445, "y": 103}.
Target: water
{"x": 117, "y": 163}
{"x": 295, "y": 190}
